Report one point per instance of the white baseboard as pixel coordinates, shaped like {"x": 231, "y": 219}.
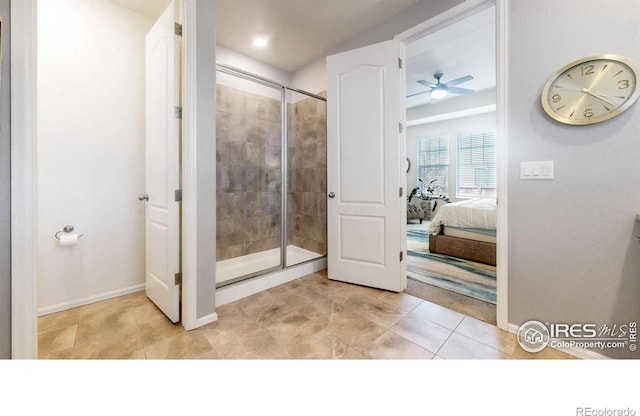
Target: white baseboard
{"x": 240, "y": 290}
{"x": 206, "y": 320}
{"x": 89, "y": 299}
{"x": 575, "y": 351}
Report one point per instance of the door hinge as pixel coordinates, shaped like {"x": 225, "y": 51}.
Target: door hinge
{"x": 177, "y": 28}
{"x": 400, "y": 63}
{"x": 401, "y": 255}
{"x": 400, "y": 191}
{"x": 178, "y": 278}
{"x": 178, "y": 112}
{"x": 400, "y": 127}
{"x": 177, "y": 195}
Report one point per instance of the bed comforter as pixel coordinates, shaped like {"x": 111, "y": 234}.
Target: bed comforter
{"x": 472, "y": 213}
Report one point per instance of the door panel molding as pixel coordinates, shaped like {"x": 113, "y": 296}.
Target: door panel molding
{"x": 365, "y": 163}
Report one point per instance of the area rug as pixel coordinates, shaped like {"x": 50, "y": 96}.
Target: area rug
{"x": 465, "y": 277}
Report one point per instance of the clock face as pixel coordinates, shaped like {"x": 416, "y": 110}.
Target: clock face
{"x": 591, "y": 90}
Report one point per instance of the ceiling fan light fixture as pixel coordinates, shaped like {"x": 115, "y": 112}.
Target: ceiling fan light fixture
{"x": 438, "y": 93}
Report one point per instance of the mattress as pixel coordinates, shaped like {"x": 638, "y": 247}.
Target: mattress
{"x": 476, "y": 234}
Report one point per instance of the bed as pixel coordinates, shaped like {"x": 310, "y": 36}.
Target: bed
{"x": 465, "y": 229}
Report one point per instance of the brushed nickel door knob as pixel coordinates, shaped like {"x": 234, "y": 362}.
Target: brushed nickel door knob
{"x": 332, "y": 195}
{"x": 143, "y": 197}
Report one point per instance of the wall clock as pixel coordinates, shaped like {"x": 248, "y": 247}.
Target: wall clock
{"x": 591, "y": 90}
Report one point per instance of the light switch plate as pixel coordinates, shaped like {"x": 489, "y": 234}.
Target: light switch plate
{"x": 536, "y": 170}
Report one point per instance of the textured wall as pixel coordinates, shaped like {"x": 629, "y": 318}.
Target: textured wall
{"x": 248, "y": 155}
{"x": 573, "y": 254}
{"x": 307, "y": 158}
{"x": 5, "y": 190}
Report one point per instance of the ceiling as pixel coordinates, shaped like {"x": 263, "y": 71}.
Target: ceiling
{"x": 463, "y": 48}
{"x": 151, "y": 8}
{"x": 301, "y": 31}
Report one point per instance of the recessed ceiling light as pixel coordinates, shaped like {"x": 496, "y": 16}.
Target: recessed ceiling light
{"x": 260, "y": 42}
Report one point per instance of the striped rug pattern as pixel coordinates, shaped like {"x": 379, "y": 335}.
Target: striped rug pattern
{"x": 468, "y": 278}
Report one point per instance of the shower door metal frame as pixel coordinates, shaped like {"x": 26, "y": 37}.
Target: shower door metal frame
{"x": 284, "y": 156}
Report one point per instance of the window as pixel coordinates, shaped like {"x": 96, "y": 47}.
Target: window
{"x": 433, "y": 162}
{"x": 476, "y": 168}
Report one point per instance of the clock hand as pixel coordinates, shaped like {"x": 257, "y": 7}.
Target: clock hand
{"x": 588, "y": 91}
{"x": 601, "y": 95}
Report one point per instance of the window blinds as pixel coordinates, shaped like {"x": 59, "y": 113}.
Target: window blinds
{"x": 476, "y": 167}
{"x": 433, "y": 161}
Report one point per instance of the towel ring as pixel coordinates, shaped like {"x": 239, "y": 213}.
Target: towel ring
{"x": 65, "y": 229}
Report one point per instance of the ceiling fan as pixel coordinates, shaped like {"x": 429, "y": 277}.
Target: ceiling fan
{"x": 441, "y": 89}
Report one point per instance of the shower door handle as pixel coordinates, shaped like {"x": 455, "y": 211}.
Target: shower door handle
{"x": 332, "y": 195}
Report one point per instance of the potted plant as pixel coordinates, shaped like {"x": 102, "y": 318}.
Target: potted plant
{"x": 426, "y": 191}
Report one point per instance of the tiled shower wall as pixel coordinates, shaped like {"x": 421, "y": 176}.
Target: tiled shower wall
{"x": 248, "y": 130}
{"x": 307, "y": 166}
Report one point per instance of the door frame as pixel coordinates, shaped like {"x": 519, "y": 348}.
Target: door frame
{"x": 24, "y": 164}
{"x": 457, "y": 13}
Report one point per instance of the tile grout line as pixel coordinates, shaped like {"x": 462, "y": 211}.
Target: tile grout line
{"x": 479, "y": 341}
{"x": 443, "y": 344}
{"x": 453, "y": 331}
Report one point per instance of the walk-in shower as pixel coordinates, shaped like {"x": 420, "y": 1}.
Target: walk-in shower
{"x": 270, "y": 176}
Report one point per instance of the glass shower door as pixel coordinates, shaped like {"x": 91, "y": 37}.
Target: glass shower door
{"x": 307, "y": 178}
{"x": 248, "y": 177}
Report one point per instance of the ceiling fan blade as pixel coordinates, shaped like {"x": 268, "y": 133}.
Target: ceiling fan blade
{"x": 457, "y": 90}
{"x": 458, "y": 81}
{"x": 426, "y": 83}
{"x": 418, "y": 93}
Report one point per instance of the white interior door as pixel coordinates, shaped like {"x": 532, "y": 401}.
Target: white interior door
{"x": 365, "y": 158}
{"x": 162, "y": 171}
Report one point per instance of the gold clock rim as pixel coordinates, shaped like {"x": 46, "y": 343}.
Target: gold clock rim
{"x": 610, "y": 57}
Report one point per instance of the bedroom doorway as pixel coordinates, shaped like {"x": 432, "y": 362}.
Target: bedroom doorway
{"x": 452, "y": 165}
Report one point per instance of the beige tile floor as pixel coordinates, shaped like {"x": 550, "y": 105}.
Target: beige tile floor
{"x": 466, "y": 305}
{"x": 309, "y": 318}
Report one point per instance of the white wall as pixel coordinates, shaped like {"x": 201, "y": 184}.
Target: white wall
{"x": 573, "y": 252}
{"x": 443, "y": 128}
{"x": 90, "y": 149}
{"x": 249, "y": 86}
{"x": 311, "y": 78}
{"x": 226, "y": 56}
